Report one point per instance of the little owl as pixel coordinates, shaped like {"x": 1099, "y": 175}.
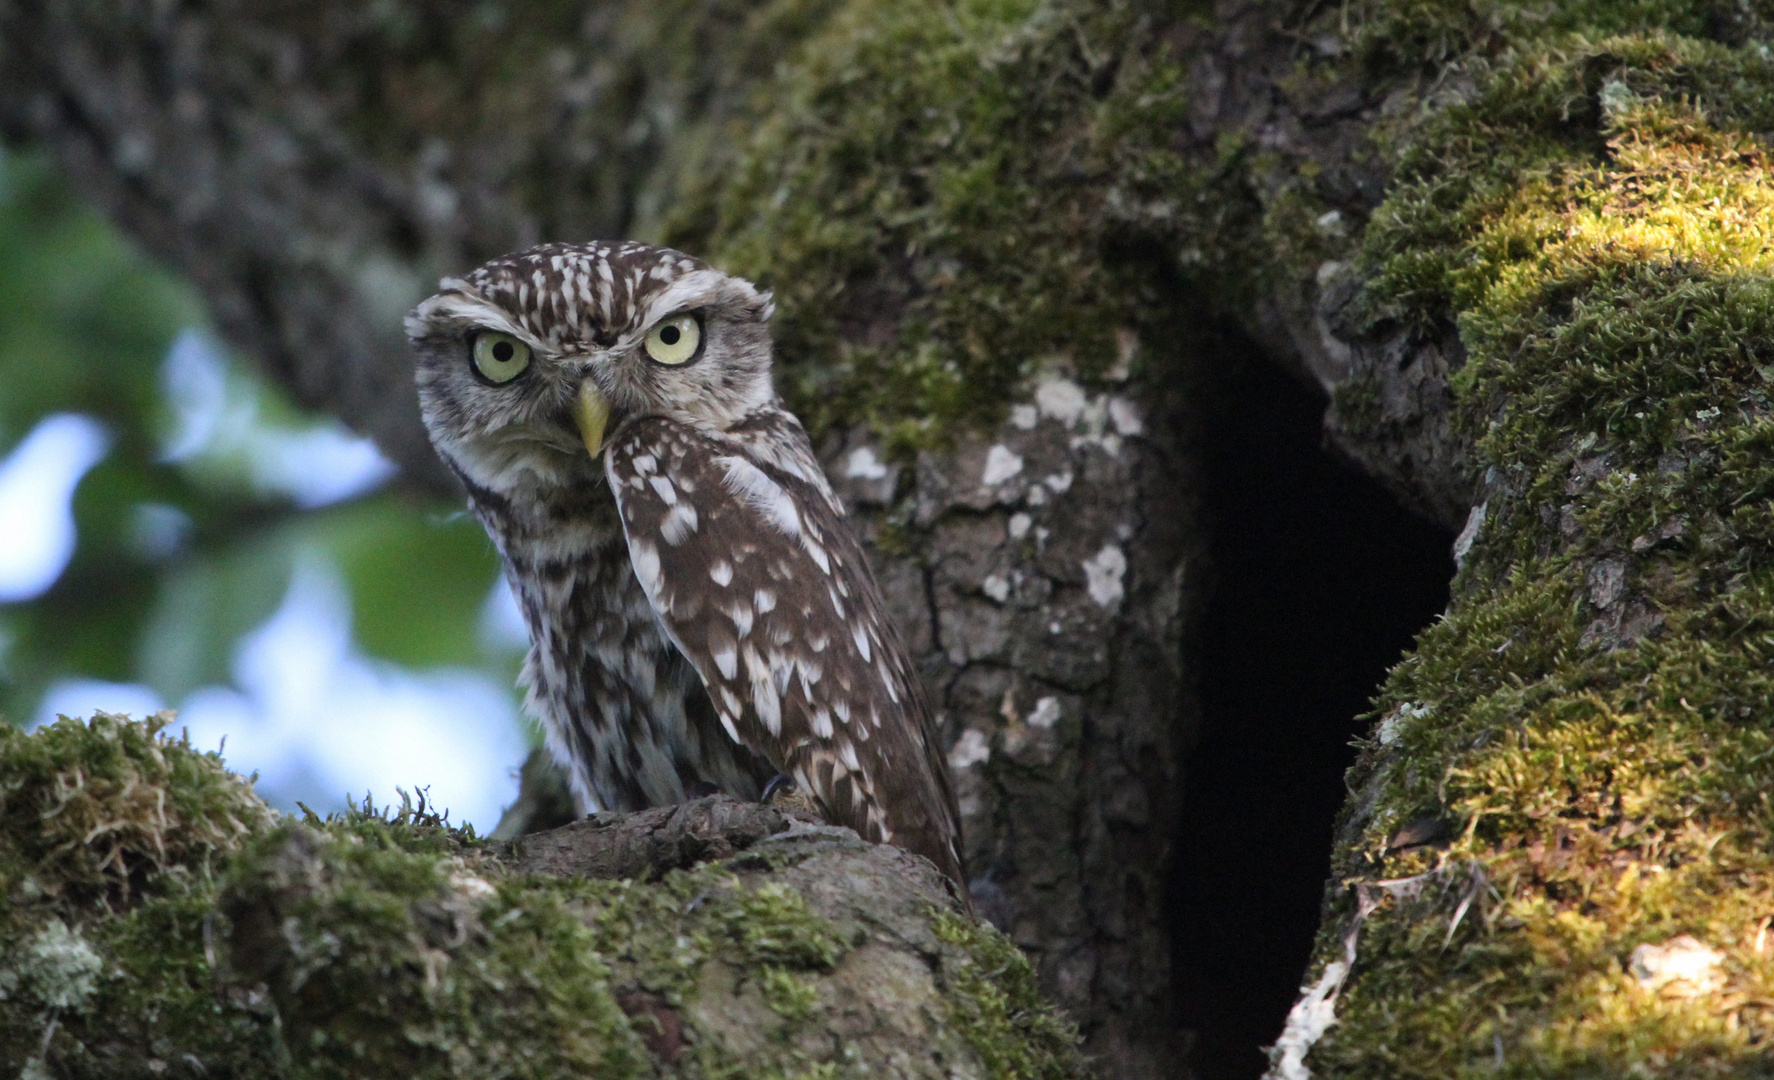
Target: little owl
{"x": 701, "y": 616}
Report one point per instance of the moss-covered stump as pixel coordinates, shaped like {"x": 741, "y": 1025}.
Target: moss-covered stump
{"x": 160, "y": 921}
{"x": 1559, "y": 857}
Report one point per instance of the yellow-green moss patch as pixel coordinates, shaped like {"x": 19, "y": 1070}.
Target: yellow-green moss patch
{"x": 1587, "y": 203}
{"x": 998, "y": 1009}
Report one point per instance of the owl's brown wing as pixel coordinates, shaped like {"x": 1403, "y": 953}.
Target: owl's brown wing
{"x": 758, "y": 580}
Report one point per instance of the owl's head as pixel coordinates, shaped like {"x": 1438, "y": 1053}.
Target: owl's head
{"x": 528, "y": 363}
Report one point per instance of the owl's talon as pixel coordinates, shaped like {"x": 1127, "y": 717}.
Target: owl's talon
{"x": 782, "y": 793}
{"x": 781, "y": 784}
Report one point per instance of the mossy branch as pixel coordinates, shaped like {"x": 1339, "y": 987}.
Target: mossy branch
{"x": 1579, "y": 213}
{"x": 160, "y": 920}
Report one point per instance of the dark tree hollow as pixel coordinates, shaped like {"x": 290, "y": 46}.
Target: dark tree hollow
{"x": 1321, "y": 582}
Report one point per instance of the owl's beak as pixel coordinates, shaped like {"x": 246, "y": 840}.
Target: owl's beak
{"x": 591, "y": 412}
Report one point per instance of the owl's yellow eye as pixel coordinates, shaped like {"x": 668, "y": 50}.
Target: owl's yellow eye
{"x": 500, "y": 358}
{"x": 675, "y": 340}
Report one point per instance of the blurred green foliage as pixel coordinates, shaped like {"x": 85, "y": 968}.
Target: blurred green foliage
{"x": 86, "y": 323}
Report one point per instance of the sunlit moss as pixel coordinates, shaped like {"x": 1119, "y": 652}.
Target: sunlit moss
{"x": 1589, "y": 209}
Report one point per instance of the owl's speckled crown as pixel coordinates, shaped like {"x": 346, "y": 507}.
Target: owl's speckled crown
{"x": 591, "y": 293}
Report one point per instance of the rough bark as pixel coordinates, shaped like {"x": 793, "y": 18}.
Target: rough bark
{"x": 1054, "y": 567}
{"x": 645, "y": 846}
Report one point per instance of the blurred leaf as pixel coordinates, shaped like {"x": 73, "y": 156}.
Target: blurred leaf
{"x": 176, "y": 561}
{"x": 204, "y": 605}
{"x": 88, "y": 318}
{"x": 419, "y": 579}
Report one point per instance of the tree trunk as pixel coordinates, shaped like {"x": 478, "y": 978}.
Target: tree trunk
{"x": 1534, "y": 279}
{"x": 1521, "y": 250}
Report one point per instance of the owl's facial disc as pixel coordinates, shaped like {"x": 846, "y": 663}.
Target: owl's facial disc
{"x": 591, "y": 412}
{"x": 538, "y": 354}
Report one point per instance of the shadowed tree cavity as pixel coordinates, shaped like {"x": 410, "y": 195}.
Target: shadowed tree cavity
{"x": 1322, "y": 580}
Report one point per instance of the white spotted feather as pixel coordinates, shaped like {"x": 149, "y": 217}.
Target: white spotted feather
{"x": 758, "y": 607}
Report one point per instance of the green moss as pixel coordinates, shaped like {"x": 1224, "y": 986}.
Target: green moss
{"x": 159, "y": 995}
{"x": 384, "y": 961}
{"x": 111, "y": 811}
{"x": 929, "y": 194}
{"x": 116, "y": 838}
{"x": 415, "y": 826}
{"x": 470, "y": 972}
{"x": 1357, "y": 403}
{"x": 1610, "y": 801}
{"x": 772, "y": 925}
{"x": 158, "y": 914}
{"x": 789, "y": 995}
{"x": 994, "y": 1003}
{"x": 1590, "y": 212}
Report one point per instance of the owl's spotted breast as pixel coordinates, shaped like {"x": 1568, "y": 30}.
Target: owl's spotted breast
{"x": 742, "y": 550}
